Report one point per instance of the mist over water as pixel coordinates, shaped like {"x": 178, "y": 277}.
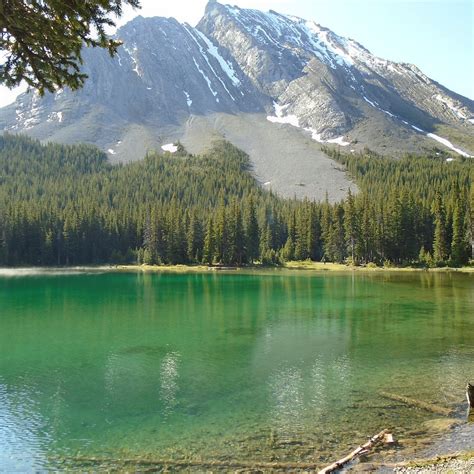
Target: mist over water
{"x": 51, "y": 271}
{"x": 274, "y": 366}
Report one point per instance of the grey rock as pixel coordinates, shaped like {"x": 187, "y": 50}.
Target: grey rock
{"x": 275, "y": 85}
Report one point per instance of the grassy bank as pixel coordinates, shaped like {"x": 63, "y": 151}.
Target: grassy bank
{"x": 320, "y": 266}
{"x": 296, "y": 265}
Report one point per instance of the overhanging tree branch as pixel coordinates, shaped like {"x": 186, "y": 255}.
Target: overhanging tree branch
{"x": 41, "y": 40}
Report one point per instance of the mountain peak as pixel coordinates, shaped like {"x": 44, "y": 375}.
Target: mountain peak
{"x": 275, "y": 85}
{"x": 212, "y": 5}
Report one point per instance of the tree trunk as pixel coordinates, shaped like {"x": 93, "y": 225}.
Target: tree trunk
{"x": 470, "y": 395}
{"x": 357, "y": 452}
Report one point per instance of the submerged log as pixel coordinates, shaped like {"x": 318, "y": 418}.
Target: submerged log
{"x": 357, "y": 452}
{"x": 417, "y": 403}
{"x": 470, "y": 395}
{"x": 98, "y": 462}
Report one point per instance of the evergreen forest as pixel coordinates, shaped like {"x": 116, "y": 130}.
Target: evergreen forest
{"x": 67, "y": 205}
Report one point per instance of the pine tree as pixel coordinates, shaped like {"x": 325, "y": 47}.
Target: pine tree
{"x": 209, "y": 242}
{"x": 288, "y": 251}
{"x": 48, "y": 252}
{"x": 194, "y": 239}
{"x": 337, "y": 243}
{"x": 236, "y": 235}
{"x": 326, "y": 229}
{"x": 265, "y": 244}
{"x": 470, "y": 215}
{"x": 222, "y": 235}
{"x": 440, "y": 245}
{"x": 366, "y": 244}
{"x": 393, "y": 228}
{"x": 459, "y": 244}
{"x": 301, "y": 242}
{"x": 425, "y": 258}
{"x": 3, "y": 242}
{"x": 43, "y": 40}
{"x": 252, "y": 231}
{"x": 351, "y": 226}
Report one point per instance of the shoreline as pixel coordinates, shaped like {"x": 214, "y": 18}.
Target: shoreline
{"x": 293, "y": 266}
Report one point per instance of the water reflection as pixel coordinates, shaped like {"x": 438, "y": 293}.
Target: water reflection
{"x": 287, "y": 396}
{"x": 201, "y": 362}
{"x": 138, "y": 374}
{"x": 169, "y": 382}
{"x": 23, "y": 433}
{"x": 319, "y": 390}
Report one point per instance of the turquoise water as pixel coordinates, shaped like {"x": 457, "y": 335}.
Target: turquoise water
{"x": 282, "y": 366}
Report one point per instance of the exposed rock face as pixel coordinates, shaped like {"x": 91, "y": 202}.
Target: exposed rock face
{"x": 275, "y": 71}
{"x": 328, "y": 82}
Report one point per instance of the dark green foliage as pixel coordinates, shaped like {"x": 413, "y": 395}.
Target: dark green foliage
{"x": 410, "y": 204}
{"x": 43, "y": 39}
{"x": 459, "y": 242}
{"x": 66, "y": 205}
{"x": 440, "y": 243}
{"x": 251, "y": 231}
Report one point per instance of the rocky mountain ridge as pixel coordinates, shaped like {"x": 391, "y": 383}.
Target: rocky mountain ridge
{"x": 275, "y": 85}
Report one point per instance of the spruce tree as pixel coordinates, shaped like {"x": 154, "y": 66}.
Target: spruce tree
{"x": 459, "y": 244}
{"x": 252, "y": 231}
{"x": 194, "y": 239}
{"x": 42, "y": 40}
{"x": 440, "y": 245}
{"x": 337, "y": 242}
{"x": 236, "y": 235}
{"x": 351, "y": 226}
{"x": 209, "y": 242}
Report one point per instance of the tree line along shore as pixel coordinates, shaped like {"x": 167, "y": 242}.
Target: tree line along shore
{"x": 66, "y": 205}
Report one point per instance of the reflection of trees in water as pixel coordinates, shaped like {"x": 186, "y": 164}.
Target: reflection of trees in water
{"x": 293, "y": 350}
{"x": 143, "y": 378}
{"x": 307, "y": 395}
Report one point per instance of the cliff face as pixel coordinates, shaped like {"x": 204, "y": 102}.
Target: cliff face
{"x": 275, "y": 85}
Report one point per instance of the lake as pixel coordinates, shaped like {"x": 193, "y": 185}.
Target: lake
{"x": 271, "y": 366}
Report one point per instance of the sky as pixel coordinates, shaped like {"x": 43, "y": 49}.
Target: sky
{"x": 435, "y": 35}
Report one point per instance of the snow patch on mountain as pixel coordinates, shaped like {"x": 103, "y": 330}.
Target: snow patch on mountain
{"x": 171, "y": 147}
{"x": 191, "y": 32}
{"x": 451, "y": 105}
{"x": 188, "y": 98}
{"x": 208, "y": 81}
{"x": 443, "y": 141}
{"x": 294, "y": 121}
{"x": 225, "y": 65}
{"x": 55, "y": 117}
{"x": 339, "y": 141}
{"x": 279, "y": 117}
{"x": 448, "y": 144}
{"x": 133, "y": 53}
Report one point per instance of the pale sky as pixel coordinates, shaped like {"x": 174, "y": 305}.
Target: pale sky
{"x": 435, "y": 35}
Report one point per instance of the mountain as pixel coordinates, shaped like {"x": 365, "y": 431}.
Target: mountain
{"x": 275, "y": 85}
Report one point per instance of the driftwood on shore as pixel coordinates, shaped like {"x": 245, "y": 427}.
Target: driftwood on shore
{"x": 184, "y": 464}
{"x": 417, "y": 403}
{"x": 357, "y": 452}
{"x": 470, "y": 395}
{"x": 426, "y": 463}
{"x": 146, "y": 464}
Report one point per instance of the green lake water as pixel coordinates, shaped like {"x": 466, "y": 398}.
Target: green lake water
{"x": 271, "y": 366}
